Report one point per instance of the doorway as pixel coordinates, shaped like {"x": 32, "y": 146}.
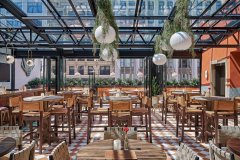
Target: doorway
{"x": 219, "y": 79}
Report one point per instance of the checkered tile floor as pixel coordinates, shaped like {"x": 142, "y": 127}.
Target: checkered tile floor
{"x": 163, "y": 136}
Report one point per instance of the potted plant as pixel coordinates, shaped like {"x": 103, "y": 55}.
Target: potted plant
{"x": 155, "y": 91}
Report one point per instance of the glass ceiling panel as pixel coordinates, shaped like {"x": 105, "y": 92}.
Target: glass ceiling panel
{"x": 156, "y": 7}
{"x": 124, "y": 23}
{"x": 150, "y": 23}
{"x": 82, "y": 7}
{"x": 124, "y": 7}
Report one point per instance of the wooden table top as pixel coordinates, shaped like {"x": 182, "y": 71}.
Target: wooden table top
{"x": 43, "y": 98}
{"x": 143, "y": 150}
{"x": 71, "y": 92}
{"x": 233, "y": 145}
{"x": 6, "y": 145}
{"x": 210, "y": 98}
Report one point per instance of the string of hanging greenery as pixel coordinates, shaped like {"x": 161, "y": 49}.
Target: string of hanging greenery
{"x": 105, "y": 31}
{"x": 176, "y": 34}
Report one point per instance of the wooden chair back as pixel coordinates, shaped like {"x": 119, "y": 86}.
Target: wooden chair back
{"x": 27, "y": 153}
{"x": 66, "y": 96}
{"x": 120, "y": 106}
{"x": 224, "y": 106}
{"x": 181, "y": 101}
{"x": 60, "y": 152}
{"x": 71, "y": 101}
{"x": 32, "y": 106}
{"x": 189, "y": 95}
{"x": 15, "y": 101}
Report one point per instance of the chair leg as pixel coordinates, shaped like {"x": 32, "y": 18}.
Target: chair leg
{"x": 69, "y": 128}
{"x": 40, "y": 135}
{"x": 73, "y": 121}
{"x": 165, "y": 115}
{"x": 150, "y": 124}
{"x": 88, "y": 129}
{"x": 146, "y": 123}
{"x": 177, "y": 123}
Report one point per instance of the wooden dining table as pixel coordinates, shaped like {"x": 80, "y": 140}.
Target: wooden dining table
{"x": 6, "y": 145}
{"x": 100, "y": 149}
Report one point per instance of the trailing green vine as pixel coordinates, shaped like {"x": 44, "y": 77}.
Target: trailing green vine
{"x": 162, "y": 40}
{"x": 181, "y": 22}
{"x": 105, "y": 18}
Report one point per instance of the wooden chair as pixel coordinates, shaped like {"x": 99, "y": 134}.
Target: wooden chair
{"x": 169, "y": 103}
{"x": 120, "y": 112}
{"x": 62, "y": 115}
{"x": 142, "y": 111}
{"x": 60, "y": 152}
{"x": 224, "y": 110}
{"x": 24, "y": 154}
{"x": 224, "y": 133}
{"x": 186, "y": 153}
{"x": 219, "y": 154}
{"x": 14, "y": 112}
{"x": 188, "y": 117}
{"x": 92, "y": 111}
{"x": 33, "y": 112}
{"x": 12, "y": 131}
{"x": 4, "y": 115}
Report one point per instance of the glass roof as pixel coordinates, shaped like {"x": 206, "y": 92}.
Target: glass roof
{"x": 139, "y": 21}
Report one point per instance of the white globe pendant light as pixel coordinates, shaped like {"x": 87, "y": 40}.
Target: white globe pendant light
{"x": 9, "y": 59}
{"x": 108, "y": 38}
{"x": 159, "y": 59}
{"x": 30, "y": 62}
{"x": 180, "y": 41}
{"x": 108, "y": 56}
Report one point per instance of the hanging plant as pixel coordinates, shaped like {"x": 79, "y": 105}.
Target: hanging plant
{"x": 182, "y": 39}
{"x": 162, "y": 41}
{"x": 105, "y": 30}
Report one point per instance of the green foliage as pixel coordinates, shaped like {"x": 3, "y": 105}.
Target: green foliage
{"x": 181, "y": 22}
{"x": 155, "y": 87}
{"x": 73, "y": 82}
{"x": 118, "y": 82}
{"x": 105, "y": 18}
{"x": 164, "y": 38}
{"x": 34, "y": 82}
{"x": 193, "y": 83}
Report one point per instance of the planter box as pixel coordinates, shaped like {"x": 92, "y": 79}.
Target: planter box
{"x": 106, "y": 89}
{"x": 186, "y": 88}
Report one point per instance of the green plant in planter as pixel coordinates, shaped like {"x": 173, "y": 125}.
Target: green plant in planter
{"x": 105, "y": 18}
{"x": 194, "y": 82}
{"x": 34, "y": 83}
{"x": 155, "y": 87}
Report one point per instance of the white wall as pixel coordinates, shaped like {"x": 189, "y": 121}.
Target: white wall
{"x": 20, "y": 77}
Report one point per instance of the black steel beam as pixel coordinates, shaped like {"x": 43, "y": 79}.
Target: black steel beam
{"x": 15, "y": 11}
{"x": 79, "y": 18}
{"x": 87, "y": 46}
{"x": 205, "y": 11}
{"x": 216, "y": 17}
{"x": 88, "y": 54}
{"x": 93, "y": 7}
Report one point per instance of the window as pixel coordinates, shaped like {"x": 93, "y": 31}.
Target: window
{"x": 54, "y": 69}
{"x": 169, "y": 4}
{"x": 104, "y": 70}
{"x": 161, "y": 6}
{"x": 150, "y": 5}
{"x": 13, "y": 23}
{"x": 90, "y": 70}
{"x": 122, "y": 4}
{"x": 218, "y": 4}
{"x": 131, "y": 3}
{"x": 34, "y": 7}
{"x": 71, "y": 70}
{"x": 81, "y": 70}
